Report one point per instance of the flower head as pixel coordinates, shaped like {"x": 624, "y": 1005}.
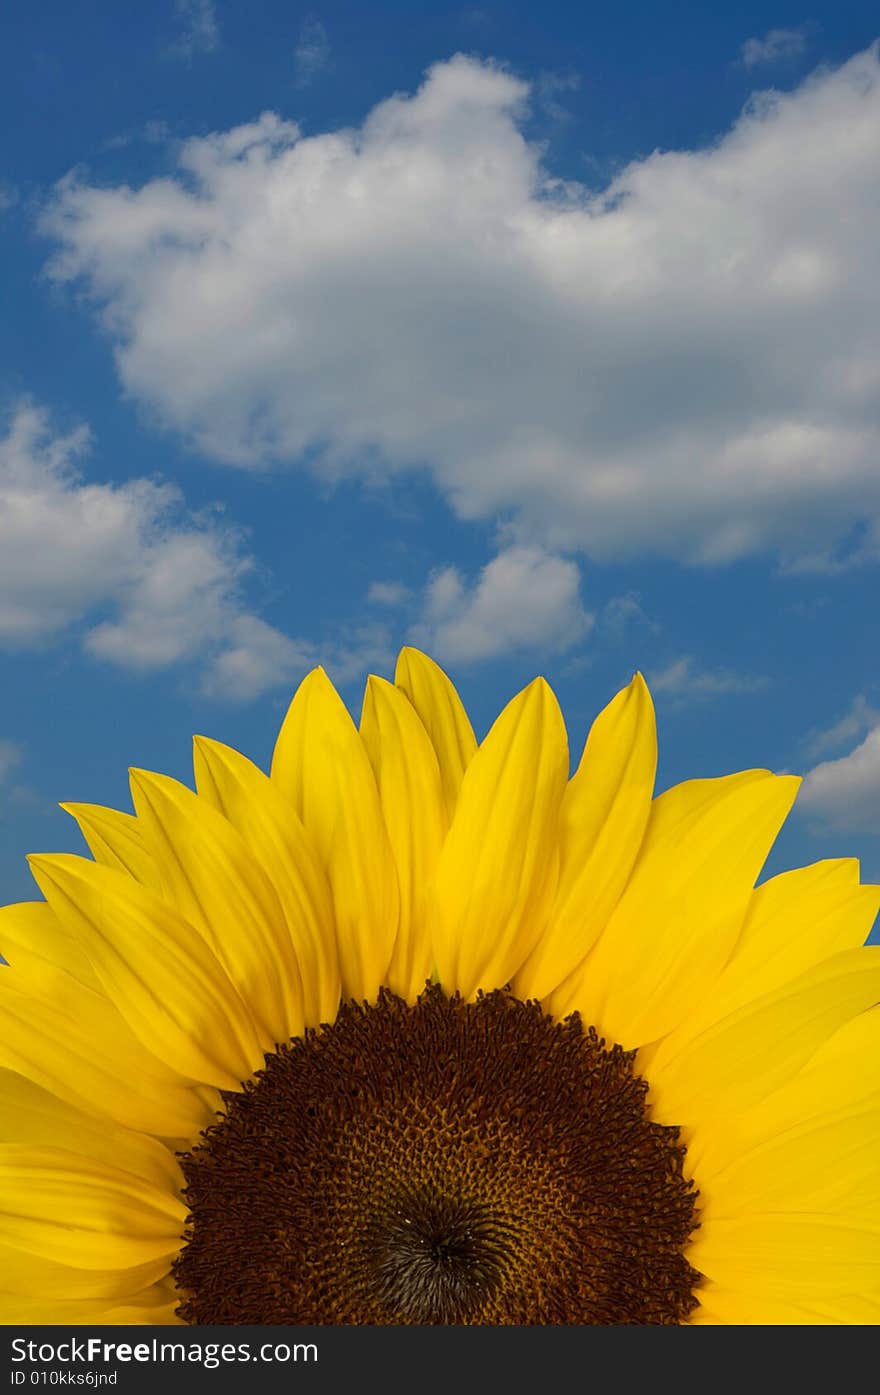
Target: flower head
{"x": 419, "y": 1031}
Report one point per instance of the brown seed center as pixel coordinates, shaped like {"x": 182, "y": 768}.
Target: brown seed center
{"x": 439, "y": 1163}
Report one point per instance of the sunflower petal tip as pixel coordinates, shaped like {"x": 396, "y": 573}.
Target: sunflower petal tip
{"x": 375, "y": 691}
{"x": 150, "y": 781}
{"x": 792, "y": 783}
{"x": 317, "y": 679}
{"x": 44, "y": 868}
{"x": 53, "y": 863}
{"x": 538, "y": 687}
{"x": 410, "y": 656}
{"x": 139, "y": 783}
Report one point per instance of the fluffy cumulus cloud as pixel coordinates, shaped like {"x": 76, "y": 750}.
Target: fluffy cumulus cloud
{"x": 684, "y": 364}
{"x": 523, "y": 598}
{"x": 144, "y": 583}
{"x": 845, "y": 793}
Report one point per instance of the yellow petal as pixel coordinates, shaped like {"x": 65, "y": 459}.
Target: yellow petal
{"x": 408, "y": 778}
{"x": 151, "y": 1306}
{"x": 276, "y": 837}
{"x": 497, "y": 873}
{"x": 742, "y": 1307}
{"x": 115, "y": 839}
{"x": 840, "y": 1079}
{"x": 841, "y": 1072}
{"x": 443, "y": 716}
{"x": 604, "y": 812}
{"x": 57, "y": 1030}
{"x": 175, "y": 996}
{"x": 57, "y": 1205}
{"x": 822, "y": 1167}
{"x": 209, "y": 876}
{"x": 29, "y": 1114}
{"x": 32, "y": 935}
{"x": 320, "y": 764}
{"x": 755, "y": 1050}
{"x": 850, "y": 1308}
{"x": 675, "y": 925}
{"x": 788, "y": 1256}
{"x": 794, "y": 921}
{"x": 34, "y": 1278}
{"x": 139, "y": 1314}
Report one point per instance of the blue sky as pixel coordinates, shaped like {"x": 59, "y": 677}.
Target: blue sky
{"x": 545, "y": 338}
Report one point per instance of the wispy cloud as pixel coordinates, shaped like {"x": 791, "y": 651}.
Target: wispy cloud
{"x": 547, "y": 89}
{"x": 776, "y": 45}
{"x": 860, "y": 719}
{"x": 13, "y": 796}
{"x": 150, "y": 133}
{"x": 257, "y": 658}
{"x": 199, "y": 31}
{"x": 312, "y": 53}
{"x": 425, "y": 291}
{"x": 10, "y": 757}
{"x": 390, "y": 593}
{"x": 523, "y": 598}
{"x": 619, "y": 615}
{"x": 685, "y": 679}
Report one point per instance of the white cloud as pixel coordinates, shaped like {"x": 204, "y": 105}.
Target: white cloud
{"x": 860, "y": 718}
{"x": 13, "y": 796}
{"x": 256, "y": 657}
{"x": 390, "y": 593}
{"x": 776, "y": 45}
{"x": 155, "y": 132}
{"x": 312, "y": 51}
{"x": 199, "y": 31}
{"x": 358, "y": 650}
{"x": 845, "y": 793}
{"x": 10, "y": 757}
{"x": 178, "y": 594}
{"x": 621, "y": 613}
{"x": 685, "y": 365}
{"x": 546, "y": 89}
{"x": 9, "y": 196}
{"x": 523, "y": 598}
{"x": 166, "y": 582}
{"x": 684, "y": 678}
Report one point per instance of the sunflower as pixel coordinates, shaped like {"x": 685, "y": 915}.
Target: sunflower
{"x": 420, "y": 1031}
